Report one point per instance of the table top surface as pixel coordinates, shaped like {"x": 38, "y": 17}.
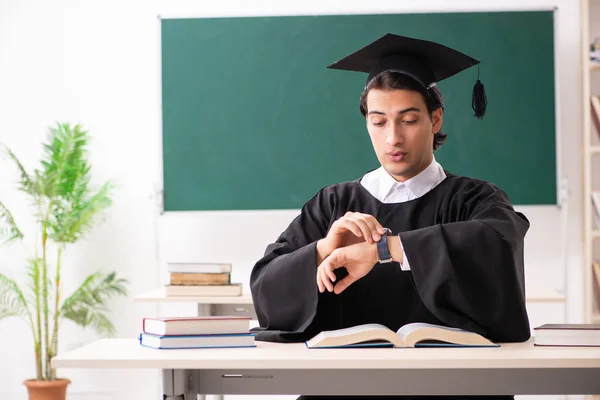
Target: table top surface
{"x": 158, "y": 295}
{"x": 128, "y": 353}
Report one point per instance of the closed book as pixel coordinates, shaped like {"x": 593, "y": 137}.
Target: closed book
{"x": 196, "y": 341}
{"x": 595, "y": 110}
{"x": 567, "y": 335}
{"x": 198, "y": 279}
{"x": 410, "y": 335}
{"x": 196, "y": 325}
{"x": 596, "y": 204}
{"x": 199, "y": 268}
{"x": 234, "y": 289}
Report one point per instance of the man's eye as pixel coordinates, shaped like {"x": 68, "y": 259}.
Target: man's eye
{"x": 409, "y": 121}
{"x": 378, "y": 123}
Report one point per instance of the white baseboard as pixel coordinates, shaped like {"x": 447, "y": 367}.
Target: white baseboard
{"x": 71, "y": 395}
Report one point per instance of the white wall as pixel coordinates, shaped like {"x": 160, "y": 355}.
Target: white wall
{"x": 98, "y": 63}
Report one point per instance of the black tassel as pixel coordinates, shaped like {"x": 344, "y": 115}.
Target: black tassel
{"x": 479, "y": 101}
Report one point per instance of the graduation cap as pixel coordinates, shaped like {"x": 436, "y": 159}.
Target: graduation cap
{"x": 424, "y": 61}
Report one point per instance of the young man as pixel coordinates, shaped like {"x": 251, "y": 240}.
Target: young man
{"x": 408, "y": 242}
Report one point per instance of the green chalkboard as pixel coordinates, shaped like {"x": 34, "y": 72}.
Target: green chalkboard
{"x": 253, "y": 119}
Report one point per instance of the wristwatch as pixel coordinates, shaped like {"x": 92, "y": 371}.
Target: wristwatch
{"x": 383, "y": 249}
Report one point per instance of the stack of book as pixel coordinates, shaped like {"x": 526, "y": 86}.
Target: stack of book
{"x": 595, "y": 51}
{"x": 201, "y": 279}
{"x": 196, "y": 332}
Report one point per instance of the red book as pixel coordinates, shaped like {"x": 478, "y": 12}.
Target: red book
{"x": 213, "y": 325}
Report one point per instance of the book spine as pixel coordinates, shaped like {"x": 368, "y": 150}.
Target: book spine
{"x": 199, "y": 279}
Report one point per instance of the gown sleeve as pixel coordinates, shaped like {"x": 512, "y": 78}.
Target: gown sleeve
{"x": 283, "y": 282}
{"x": 470, "y": 274}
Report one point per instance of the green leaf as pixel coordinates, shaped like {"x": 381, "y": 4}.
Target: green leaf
{"x": 11, "y": 232}
{"x": 65, "y": 175}
{"x": 75, "y": 218}
{"x": 26, "y": 184}
{"x": 12, "y": 301}
{"x": 65, "y": 160}
{"x": 87, "y": 305}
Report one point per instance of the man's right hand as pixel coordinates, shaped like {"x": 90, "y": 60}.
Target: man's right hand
{"x": 350, "y": 229}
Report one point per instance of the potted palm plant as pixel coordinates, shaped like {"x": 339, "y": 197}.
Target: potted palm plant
{"x": 65, "y": 209}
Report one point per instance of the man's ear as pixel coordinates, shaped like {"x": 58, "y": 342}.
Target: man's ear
{"x": 436, "y": 118}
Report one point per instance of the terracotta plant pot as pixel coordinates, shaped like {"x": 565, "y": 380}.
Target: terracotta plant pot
{"x": 47, "y": 390}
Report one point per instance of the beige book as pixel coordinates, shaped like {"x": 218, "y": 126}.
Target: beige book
{"x": 199, "y": 268}
{"x": 234, "y": 289}
{"x": 410, "y": 335}
{"x": 199, "y": 279}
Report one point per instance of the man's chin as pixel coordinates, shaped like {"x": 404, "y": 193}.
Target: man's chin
{"x": 398, "y": 171}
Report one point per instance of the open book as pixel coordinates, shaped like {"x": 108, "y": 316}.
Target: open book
{"x": 410, "y": 335}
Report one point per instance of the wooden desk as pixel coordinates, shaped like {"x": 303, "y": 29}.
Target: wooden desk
{"x": 274, "y": 368}
{"x": 207, "y": 305}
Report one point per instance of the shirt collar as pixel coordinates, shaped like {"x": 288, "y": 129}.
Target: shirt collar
{"x": 418, "y": 184}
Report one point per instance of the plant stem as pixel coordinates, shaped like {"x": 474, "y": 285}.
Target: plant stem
{"x": 36, "y": 339}
{"x": 38, "y": 361}
{"x": 45, "y": 303}
{"x": 38, "y": 326}
{"x": 54, "y": 346}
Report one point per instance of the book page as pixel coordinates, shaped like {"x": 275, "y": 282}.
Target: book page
{"x": 354, "y": 330}
{"x": 366, "y": 334}
{"x": 409, "y": 328}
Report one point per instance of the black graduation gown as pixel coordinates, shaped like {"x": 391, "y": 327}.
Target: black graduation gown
{"x": 464, "y": 244}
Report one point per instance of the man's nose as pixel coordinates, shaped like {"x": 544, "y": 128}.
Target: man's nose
{"x": 394, "y": 136}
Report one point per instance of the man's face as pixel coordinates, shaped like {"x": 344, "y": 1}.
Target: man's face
{"x": 401, "y": 131}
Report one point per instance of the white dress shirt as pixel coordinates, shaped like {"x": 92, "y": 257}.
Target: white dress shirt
{"x": 388, "y": 190}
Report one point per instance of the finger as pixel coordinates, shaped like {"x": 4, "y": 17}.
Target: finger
{"x": 320, "y": 284}
{"x": 376, "y": 226}
{"x": 351, "y": 226}
{"x": 372, "y": 224}
{"x": 329, "y": 265}
{"x": 325, "y": 279}
{"x": 365, "y": 229}
{"x": 344, "y": 283}
{"x": 329, "y": 272}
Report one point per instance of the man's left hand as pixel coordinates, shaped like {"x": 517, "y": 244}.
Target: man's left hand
{"x": 359, "y": 259}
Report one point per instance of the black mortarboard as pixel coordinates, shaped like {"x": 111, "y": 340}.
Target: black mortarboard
{"x": 424, "y": 61}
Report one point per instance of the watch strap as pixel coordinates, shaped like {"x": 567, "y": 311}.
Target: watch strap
{"x": 383, "y": 249}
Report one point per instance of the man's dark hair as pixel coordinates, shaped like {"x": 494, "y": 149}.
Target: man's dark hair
{"x": 393, "y": 80}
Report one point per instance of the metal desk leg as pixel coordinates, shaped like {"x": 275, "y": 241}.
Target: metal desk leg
{"x": 208, "y": 309}
{"x": 178, "y": 384}
{"x": 245, "y": 310}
